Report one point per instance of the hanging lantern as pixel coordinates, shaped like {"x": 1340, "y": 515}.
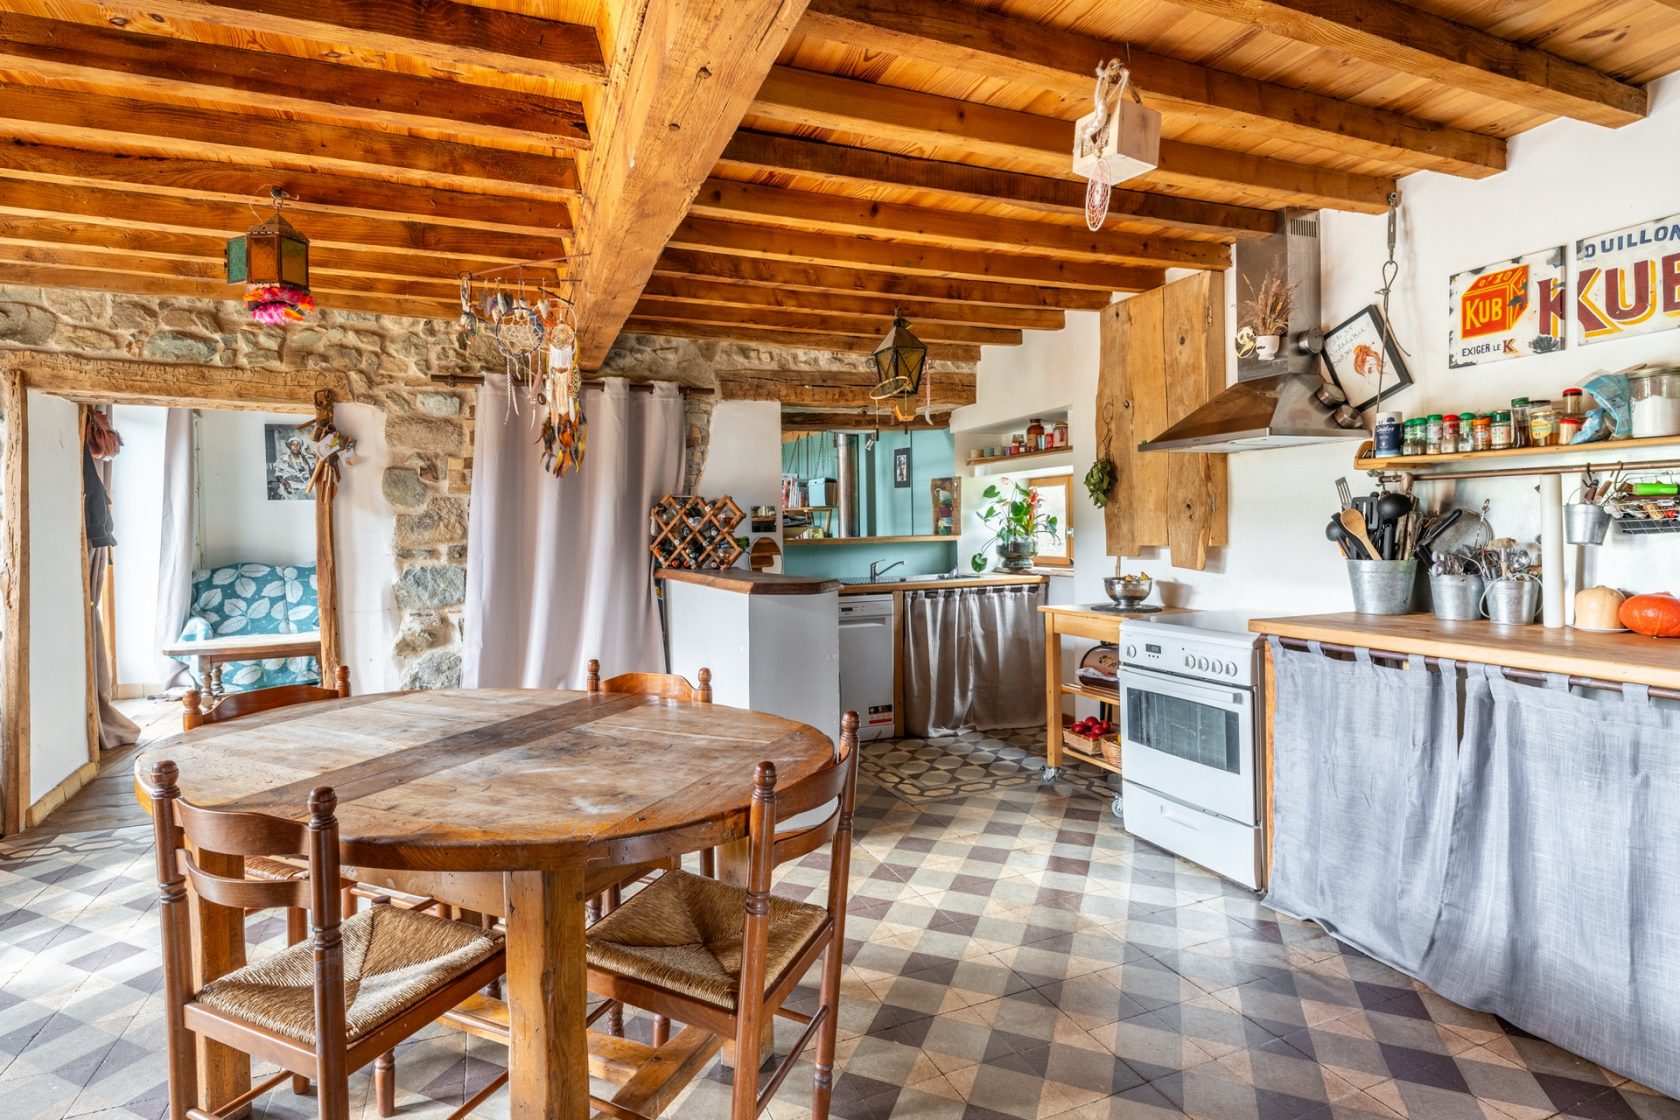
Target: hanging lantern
{"x": 900, "y": 360}
{"x": 272, "y": 261}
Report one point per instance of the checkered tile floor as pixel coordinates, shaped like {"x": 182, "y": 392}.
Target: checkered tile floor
{"x": 1011, "y": 953}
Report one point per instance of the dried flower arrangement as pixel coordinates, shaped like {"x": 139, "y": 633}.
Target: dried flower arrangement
{"x": 1268, "y": 307}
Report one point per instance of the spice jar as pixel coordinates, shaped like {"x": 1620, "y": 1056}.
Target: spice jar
{"x": 1060, "y": 434}
{"x": 1466, "y": 431}
{"x": 1519, "y": 422}
{"x": 1656, "y": 403}
{"x": 1415, "y": 436}
{"x": 1574, "y": 404}
{"x": 1542, "y": 424}
{"x": 1449, "y": 432}
{"x": 1568, "y": 428}
{"x": 1386, "y": 436}
{"x": 1433, "y": 429}
{"x": 1481, "y": 433}
{"x": 1503, "y": 429}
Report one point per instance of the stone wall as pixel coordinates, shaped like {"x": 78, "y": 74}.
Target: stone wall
{"x": 400, "y": 366}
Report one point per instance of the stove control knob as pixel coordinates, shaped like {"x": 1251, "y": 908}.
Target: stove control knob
{"x": 1131, "y": 652}
{"x": 1201, "y": 664}
{"x": 1230, "y": 668}
{"x": 1189, "y": 661}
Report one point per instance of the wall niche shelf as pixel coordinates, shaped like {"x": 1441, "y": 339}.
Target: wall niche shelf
{"x": 1521, "y": 460}
{"x": 1027, "y": 456}
{"x": 801, "y": 542}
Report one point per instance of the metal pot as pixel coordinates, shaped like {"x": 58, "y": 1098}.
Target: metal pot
{"x": 1511, "y": 601}
{"x": 1457, "y": 598}
{"x": 1017, "y": 556}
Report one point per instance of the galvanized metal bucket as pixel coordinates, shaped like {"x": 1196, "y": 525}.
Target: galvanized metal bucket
{"x": 1382, "y": 586}
{"x": 1511, "y": 601}
{"x": 1585, "y": 523}
{"x": 1457, "y": 598}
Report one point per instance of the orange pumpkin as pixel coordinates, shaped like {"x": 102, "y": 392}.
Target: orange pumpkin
{"x": 1655, "y": 616}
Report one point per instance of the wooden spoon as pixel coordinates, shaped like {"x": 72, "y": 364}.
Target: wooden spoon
{"x": 1354, "y": 522}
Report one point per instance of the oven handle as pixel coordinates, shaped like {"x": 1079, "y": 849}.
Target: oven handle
{"x": 1146, "y": 680}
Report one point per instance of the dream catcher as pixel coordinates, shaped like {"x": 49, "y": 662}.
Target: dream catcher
{"x": 1117, "y": 140}
{"x": 564, "y": 427}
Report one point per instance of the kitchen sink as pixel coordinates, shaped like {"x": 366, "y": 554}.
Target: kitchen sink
{"x": 865, "y": 581}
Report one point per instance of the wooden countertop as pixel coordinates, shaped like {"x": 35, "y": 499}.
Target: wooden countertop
{"x": 1581, "y": 653}
{"x": 936, "y": 584}
{"x": 743, "y": 582}
{"x": 1089, "y": 611}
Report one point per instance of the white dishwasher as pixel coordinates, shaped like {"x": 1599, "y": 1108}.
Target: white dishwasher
{"x": 866, "y": 662}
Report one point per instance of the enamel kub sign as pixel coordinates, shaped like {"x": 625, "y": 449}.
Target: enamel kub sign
{"x": 1628, "y": 282}
{"x": 1508, "y": 310}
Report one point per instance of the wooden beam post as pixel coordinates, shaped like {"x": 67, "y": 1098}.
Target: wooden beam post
{"x": 14, "y": 587}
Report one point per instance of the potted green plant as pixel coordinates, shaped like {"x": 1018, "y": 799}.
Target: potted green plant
{"x": 1013, "y": 516}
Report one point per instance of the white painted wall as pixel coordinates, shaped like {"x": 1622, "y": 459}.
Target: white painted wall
{"x": 237, "y": 522}
{"x": 744, "y": 460}
{"x": 137, "y": 507}
{"x": 58, "y": 710}
{"x": 365, "y": 548}
{"x": 1566, "y": 180}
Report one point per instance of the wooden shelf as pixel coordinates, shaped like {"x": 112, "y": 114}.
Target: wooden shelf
{"x": 1101, "y": 696}
{"x": 1604, "y": 450}
{"x": 992, "y": 460}
{"x": 798, "y": 541}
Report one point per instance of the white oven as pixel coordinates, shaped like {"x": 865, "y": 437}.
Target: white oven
{"x": 1192, "y": 737}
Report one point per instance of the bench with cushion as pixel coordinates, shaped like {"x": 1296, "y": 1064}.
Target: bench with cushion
{"x": 250, "y": 599}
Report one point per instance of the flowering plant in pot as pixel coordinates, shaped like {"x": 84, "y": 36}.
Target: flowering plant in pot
{"x": 1014, "y": 518}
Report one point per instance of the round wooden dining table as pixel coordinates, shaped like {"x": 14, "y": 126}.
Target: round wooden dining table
{"x": 500, "y": 800}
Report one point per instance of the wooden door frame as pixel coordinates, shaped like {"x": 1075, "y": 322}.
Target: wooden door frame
{"x": 119, "y": 381}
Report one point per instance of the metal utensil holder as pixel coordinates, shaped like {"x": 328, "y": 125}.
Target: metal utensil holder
{"x": 1383, "y": 586}
{"x": 1585, "y": 523}
{"x": 1512, "y": 602}
{"x": 1457, "y": 598}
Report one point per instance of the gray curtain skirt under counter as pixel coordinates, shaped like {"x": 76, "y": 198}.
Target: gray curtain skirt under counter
{"x": 1527, "y": 866}
{"x": 973, "y": 659}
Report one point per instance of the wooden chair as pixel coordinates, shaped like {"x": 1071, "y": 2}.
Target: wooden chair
{"x": 232, "y": 705}
{"x": 754, "y": 947}
{"x": 307, "y": 1008}
{"x": 666, "y": 685}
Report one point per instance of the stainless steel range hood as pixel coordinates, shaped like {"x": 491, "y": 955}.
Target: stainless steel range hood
{"x": 1283, "y": 402}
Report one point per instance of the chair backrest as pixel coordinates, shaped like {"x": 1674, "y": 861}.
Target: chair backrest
{"x": 188, "y": 837}
{"x": 666, "y": 685}
{"x": 236, "y": 704}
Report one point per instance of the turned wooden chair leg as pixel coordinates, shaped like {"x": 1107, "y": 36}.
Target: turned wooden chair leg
{"x": 708, "y": 863}
{"x": 661, "y": 1031}
{"x": 822, "y": 1075}
{"x": 385, "y": 1084}
{"x": 297, "y": 931}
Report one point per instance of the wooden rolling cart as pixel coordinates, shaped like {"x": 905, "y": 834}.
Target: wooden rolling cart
{"x": 1061, "y": 744}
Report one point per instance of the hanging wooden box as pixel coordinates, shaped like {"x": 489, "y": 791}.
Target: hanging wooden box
{"x": 1132, "y": 139}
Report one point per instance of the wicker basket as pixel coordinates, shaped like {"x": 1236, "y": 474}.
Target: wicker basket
{"x": 1106, "y": 748}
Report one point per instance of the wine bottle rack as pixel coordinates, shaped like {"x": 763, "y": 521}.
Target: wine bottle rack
{"x": 695, "y": 533}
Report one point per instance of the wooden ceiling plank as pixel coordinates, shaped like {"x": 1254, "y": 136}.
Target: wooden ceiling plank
{"x": 734, "y": 201}
{"x": 878, "y": 309}
{"x": 839, "y": 343}
{"x": 801, "y": 388}
{"x": 764, "y": 151}
{"x": 802, "y": 99}
{"x": 80, "y": 120}
{"x": 1012, "y": 49}
{"x": 817, "y": 322}
{"x": 444, "y": 34}
{"x": 798, "y": 276}
{"x": 1411, "y": 41}
{"x": 860, "y": 421}
{"x": 144, "y": 64}
{"x": 146, "y": 211}
{"x": 309, "y": 191}
{"x": 710, "y": 235}
{"x": 685, "y": 72}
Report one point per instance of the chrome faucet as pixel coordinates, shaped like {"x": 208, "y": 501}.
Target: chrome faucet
{"x": 876, "y": 571}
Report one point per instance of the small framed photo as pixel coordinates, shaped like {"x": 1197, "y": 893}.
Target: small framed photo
{"x": 901, "y": 467}
{"x": 947, "y": 507}
{"x": 289, "y": 462}
{"x": 1359, "y": 358}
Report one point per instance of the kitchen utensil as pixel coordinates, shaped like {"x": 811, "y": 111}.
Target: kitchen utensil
{"x": 1437, "y": 528}
{"x": 1354, "y": 522}
{"x": 1585, "y": 523}
{"x": 1344, "y": 492}
{"x": 1457, "y": 598}
{"x": 1349, "y": 543}
{"x": 1128, "y": 591}
{"x": 1382, "y": 586}
{"x": 1511, "y": 602}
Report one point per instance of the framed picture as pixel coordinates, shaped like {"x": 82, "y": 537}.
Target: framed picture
{"x": 289, "y": 461}
{"x": 1357, "y": 357}
{"x": 1055, "y": 496}
{"x": 947, "y": 507}
{"x": 901, "y": 467}
{"x": 1508, "y": 309}
{"x": 1622, "y": 281}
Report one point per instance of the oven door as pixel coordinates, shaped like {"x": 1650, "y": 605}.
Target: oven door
{"x": 1191, "y": 740}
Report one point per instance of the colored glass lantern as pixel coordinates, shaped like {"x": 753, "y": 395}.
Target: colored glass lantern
{"x": 900, "y": 361}
{"x": 272, "y": 261}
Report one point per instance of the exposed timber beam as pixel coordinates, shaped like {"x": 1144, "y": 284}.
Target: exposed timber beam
{"x": 817, "y": 322}
{"x": 443, "y": 34}
{"x": 686, "y": 72}
{"x": 876, "y": 308}
{"x": 146, "y": 66}
{"x": 805, "y": 389}
{"x": 804, "y": 99}
{"x": 708, "y": 235}
{"x": 860, "y": 418}
{"x": 764, "y": 151}
{"x": 839, "y": 343}
{"x": 1012, "y": 49}
{"x": 733, "y": 201}
{"x": 1409, "y": 40}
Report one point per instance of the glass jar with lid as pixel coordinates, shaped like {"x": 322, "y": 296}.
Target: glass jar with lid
{"x": 1656, "y": 403}
{"x": 1574, "y": 403}
{"x": 1481, "y": 433}
{"x": 1035, "y": 435}
{"x": 1504, "y": 431}
{"x": 1433, "y": 432}
{"x": 1415, "y": 438}
{"x": 1466, "y": 431}
{"x": 1542, "y": 424}
{"x": 1519, "y": 421}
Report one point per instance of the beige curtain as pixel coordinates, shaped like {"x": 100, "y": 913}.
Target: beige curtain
{"x": 558, "y": 569}
{"x": 973, "y": 659}
{"x": 178, "y": 544}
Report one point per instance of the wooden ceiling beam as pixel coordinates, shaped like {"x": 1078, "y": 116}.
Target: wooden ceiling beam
{"x": 765, "y": 151}
{"x": 685, "y": 72}
{"x": 795, "y": 276}
{"x": 734, "y": 201}
{"x": 836, "y": 343}
{"x": 818, "y": 322}
{"x": 878, "y": 309}
{"x": 1408, "y": 40}
{"x": 803, "y": 389}
{"x": 146, "y": 66}
{"x": 308, "y": 191}
{"x": 87, "y": 120}
{"x": 444, "y": 34}
{"x": 709, "y": 235}
{"x": 1008, "y": 48}
{"x": 805, "y": 99}
{"x": 861, "y": 419}
{"x": 147, "y": 211}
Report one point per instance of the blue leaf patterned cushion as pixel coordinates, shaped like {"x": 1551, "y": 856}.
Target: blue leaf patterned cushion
{"x": 256, "y": 599}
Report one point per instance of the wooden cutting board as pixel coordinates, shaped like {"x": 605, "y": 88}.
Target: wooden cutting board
{"x": 1163, "y": 356}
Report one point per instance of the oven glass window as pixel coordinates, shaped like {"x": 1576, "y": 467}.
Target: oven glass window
{"x": 1199, "y": 733}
